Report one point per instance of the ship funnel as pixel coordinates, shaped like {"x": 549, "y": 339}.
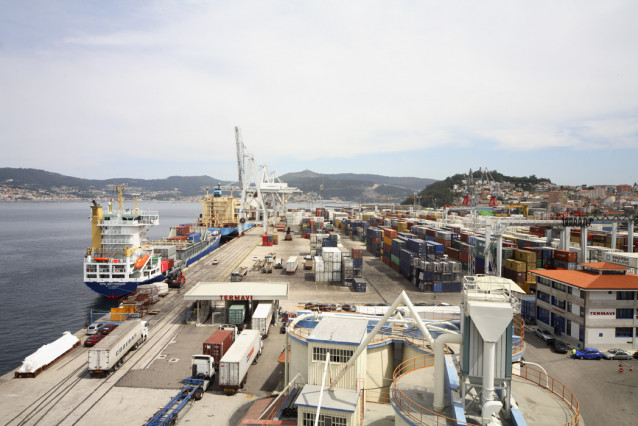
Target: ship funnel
{"x": 96, "y": 233}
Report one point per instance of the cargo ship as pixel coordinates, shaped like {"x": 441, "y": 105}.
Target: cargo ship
{"x": 221, "y": 212}
{"x": 121, "y": 258}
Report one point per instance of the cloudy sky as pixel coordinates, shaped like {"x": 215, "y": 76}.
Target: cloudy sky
{"x": 149, "y": 89}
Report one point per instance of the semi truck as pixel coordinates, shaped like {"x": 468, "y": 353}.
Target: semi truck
{"x": 261, "y": 319}
{"x": 291, "y": 264}
{"x": 233, "y": 367}
{"x": 108, "y": 354}
{"x": 218, "y": 344}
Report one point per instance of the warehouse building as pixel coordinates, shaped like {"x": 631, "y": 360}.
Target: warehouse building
{"x": 595, "y": 306}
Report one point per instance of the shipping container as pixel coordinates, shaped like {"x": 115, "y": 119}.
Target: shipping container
{"x": 218, "y": 344}
{"x": 291, "y": 265}
{"x": 261, "y": 319}
{"x": 236, "y": 313}
{"x": 234, "y": 365}
{"x": 109, "y": 352}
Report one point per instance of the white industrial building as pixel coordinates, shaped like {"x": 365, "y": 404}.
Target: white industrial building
{"x": 595, "y": 306}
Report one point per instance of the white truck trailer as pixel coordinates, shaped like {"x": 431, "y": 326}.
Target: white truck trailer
{"x": 261, "y": 319}
{"x": 108, "y": 354}
{"x": 291, "y": 265}
{"x": 233, "y": 367}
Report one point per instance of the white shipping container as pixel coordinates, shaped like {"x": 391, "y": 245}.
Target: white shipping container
{"x": 629, "y": 260}
{"x": 109, "y": 351}
{"x": 319, "y": 265}
{"x": 291, "y": 264}
{"x": 234, "y": 365}
{"x": 261, "y": 319}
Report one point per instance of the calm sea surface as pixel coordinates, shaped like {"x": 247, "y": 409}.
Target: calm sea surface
{"x": 42, "y": 245}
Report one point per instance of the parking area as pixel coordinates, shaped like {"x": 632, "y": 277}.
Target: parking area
{"x": 606, "y": 396}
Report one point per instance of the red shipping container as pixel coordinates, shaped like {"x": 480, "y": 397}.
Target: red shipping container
{"x": 218, "y": 344}
{"x": 566, "y": 255}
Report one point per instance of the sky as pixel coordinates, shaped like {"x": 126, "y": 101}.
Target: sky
{"x": 151, "y": 89}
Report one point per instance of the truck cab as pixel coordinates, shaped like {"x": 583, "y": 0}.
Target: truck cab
{"x": 203, "y": 367}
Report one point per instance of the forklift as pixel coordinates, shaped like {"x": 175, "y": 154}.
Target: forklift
{"x": 288, "y": 236}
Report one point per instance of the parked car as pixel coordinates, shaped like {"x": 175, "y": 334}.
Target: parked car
{"x": 544, "y": 334}
{"x": 587, "y": 353}
{"x": 349, "y": 308}
{"x": 93, "y": 339}
{"x": 108, "y": 328}
{"x": 311, "y": 306}
{"x": 255, "y": 258}
{"x": 215, "y": 261}
{"x": 616, "y": 353}
{"x": 558, "y": 346}
{"x": 530, "y": 321}
{"x": 94, "y": 328}
{"x": 636, "y": 354}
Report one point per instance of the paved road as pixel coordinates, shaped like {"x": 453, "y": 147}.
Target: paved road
{"x": 606, "y": 396}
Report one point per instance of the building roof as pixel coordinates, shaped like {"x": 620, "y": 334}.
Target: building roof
{"x": 605, "y": 265}
{"x": 592, "y": 280}
{"x": 238, "y": 291}
{"x": 344, "y": 331}
{"x": 336, "y": 399}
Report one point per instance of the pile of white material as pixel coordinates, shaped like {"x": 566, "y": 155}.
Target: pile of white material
{"x": 48, "y": 353}
{"x": 160, "y": 289}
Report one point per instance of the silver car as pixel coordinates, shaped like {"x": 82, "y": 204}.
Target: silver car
{"x": 94, "y": 328}
{"x": 544, "y": 334}
{"x": 616, "y": 353}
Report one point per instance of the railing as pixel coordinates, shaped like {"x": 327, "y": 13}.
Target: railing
{"x": 412, "y": 409}
{"x": 555, "y": 387}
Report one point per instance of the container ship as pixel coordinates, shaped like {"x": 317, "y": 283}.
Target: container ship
{"x": 221, "y": 213}
{"x": 121, "y": 258}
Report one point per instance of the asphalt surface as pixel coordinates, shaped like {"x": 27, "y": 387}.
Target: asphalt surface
{"x": 606, "y": 397}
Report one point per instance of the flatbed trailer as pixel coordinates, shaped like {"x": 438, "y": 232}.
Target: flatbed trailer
{"x": 194, "y": 389}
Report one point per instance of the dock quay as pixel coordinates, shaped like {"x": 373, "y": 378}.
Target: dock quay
{"x": 154, "y": 373}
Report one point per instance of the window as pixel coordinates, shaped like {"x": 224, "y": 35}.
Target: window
{"x": 559, "y": 303}
{"x": 559, "y": 286}
{"x": 624, "y": 313}
{"x": 336, "y": 355}
{"x": 624, "y": 295}
{"x": 309, "y": 420}
{"x": 582, "y": 312}
{"x": 542, "y": 315}
{"x": 623, "y": 331}
{"x": 542, "y": 296}
{"x": 569, "y": 290}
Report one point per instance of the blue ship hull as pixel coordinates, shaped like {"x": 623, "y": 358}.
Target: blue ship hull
{"x": 119, "y": 289}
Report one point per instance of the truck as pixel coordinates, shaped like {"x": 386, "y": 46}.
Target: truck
{"x": 238, "y": 274}
{"x": 108, "y": 354}
{"x": 261, "y": 319}
{"x": 203, "y": 368}
{"x": 307, "y": 263}
{"x": 218, "y": 344}
{"x": 175, "y": 278}
{"x": 233, "y": 367}
{"x": 291, "y": 265}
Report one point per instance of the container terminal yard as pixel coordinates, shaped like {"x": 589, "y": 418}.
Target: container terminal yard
{"x": 405, "y": 346}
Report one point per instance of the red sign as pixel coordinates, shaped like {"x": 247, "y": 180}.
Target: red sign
{"x": 245, "y": 297}
{"x": 558, "y": 310}
{"x": 602, "y": 313}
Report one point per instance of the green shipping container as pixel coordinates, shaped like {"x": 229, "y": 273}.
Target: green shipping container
{"x": 394, "y": 259}
{"x": 236, "y": 314}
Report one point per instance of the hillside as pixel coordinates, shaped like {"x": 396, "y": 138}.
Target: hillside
{"x": 56, "y": 185}
{"x": 441, "y": 192}
{"x": 356, "y": 187}
{"x": 345, "y": 186}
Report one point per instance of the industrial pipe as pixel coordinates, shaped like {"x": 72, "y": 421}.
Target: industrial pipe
{"x": 439, "y": 367}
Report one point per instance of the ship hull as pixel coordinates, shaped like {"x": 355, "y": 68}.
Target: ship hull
{"x": 119, "y": 288}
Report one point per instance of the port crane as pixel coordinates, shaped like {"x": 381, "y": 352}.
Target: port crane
{"x": 257, "y": 185}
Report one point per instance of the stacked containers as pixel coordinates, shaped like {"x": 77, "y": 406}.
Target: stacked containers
{"x": 318, "y": 267}
{"x": 332, "y": 263}
{"x": 357, "y": 261}
{"x": 359, "y": 285}
{"x": 374, "y": 239}
{"x": 565, "y": 259}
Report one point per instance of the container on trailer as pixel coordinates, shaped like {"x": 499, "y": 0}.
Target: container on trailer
{"x": 291, "y": 265}
{"x": 261, "y": 319}
{"x": 237, "y": 313}
{"x": 234, "y": 365}
{"x": 218, "y": 344}
{"x": 108, "y": 354}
